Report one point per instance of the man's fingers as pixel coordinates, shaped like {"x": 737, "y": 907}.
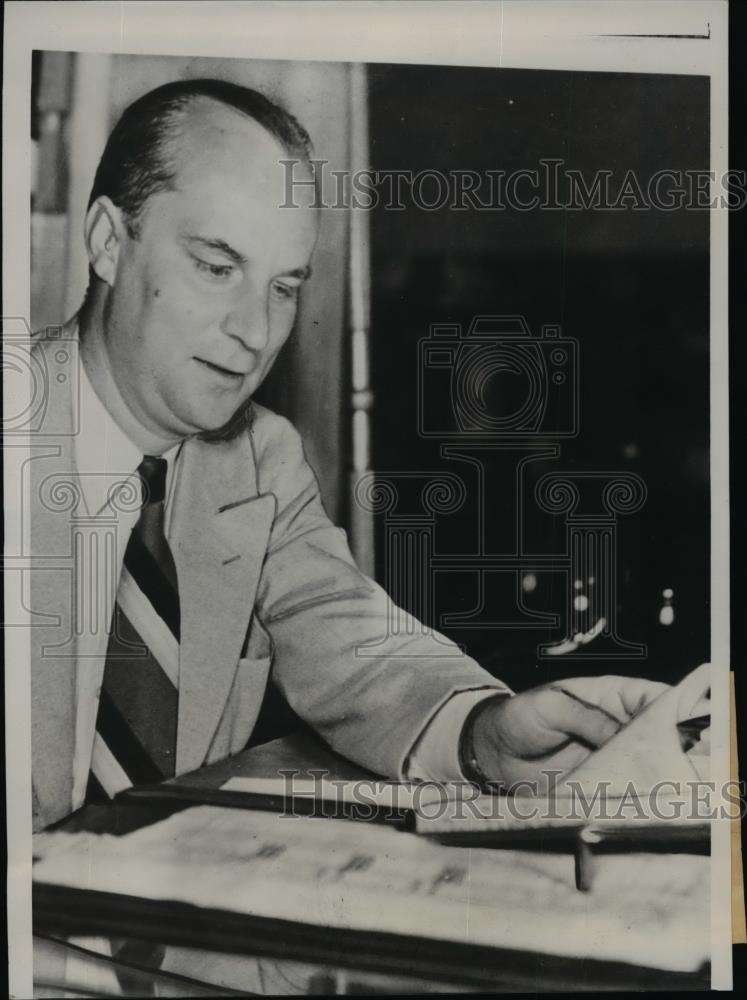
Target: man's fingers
{"x": 573, "y": 715}
{"x": 636, "y": 693}
{"x": 621, "y": 697}
{"x": 585, "y": 710}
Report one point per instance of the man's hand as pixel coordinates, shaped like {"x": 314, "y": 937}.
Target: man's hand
{"x": 554, "y": 727}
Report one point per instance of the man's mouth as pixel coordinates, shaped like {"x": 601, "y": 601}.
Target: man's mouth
{"x": 221, "y": 370}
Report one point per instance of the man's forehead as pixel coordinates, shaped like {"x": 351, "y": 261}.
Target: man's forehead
{"x": 205, "y": 117}
{"x": 218, "y": 141}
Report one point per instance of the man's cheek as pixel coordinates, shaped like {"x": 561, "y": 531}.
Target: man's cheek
{"x": 187, "y": 316}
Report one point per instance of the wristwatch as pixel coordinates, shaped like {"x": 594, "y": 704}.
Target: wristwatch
{"x": 468, "y": 762}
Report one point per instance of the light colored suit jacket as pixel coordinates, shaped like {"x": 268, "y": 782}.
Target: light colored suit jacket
{"x": 266, "y": 582}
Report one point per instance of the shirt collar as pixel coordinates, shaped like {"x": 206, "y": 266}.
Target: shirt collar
{"x": 104, "y": 455}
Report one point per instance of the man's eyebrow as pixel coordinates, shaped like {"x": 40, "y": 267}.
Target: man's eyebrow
{"x": 213, "y": 243}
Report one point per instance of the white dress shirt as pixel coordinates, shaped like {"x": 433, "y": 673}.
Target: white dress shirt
{"x": 105, "y": 459}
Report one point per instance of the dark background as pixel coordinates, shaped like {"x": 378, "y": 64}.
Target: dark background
{"x": 632, "y": 287}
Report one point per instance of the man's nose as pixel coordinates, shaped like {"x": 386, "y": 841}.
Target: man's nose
{"x": 247, "y": 321}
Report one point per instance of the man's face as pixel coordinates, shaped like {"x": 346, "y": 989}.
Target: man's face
{"x": 205, "y": 297}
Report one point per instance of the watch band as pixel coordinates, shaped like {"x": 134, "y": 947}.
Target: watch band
{"x": 468, "y": 761}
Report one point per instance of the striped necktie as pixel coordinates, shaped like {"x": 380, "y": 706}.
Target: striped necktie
{"x": 135, "y": 739}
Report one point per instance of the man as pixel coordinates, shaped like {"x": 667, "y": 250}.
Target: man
{"x": 228, "y": 567}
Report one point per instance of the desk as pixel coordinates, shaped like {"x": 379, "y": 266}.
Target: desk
{"x": 273, "y": 957}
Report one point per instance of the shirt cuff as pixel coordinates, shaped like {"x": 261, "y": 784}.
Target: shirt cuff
{"x": 435, "y": 755}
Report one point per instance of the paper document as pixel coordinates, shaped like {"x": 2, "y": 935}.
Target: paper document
{"x": 361, "y": 792}
{"x": 649, "y": 751}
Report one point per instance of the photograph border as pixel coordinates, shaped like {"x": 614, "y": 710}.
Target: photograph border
{"x": 632, "y": 37}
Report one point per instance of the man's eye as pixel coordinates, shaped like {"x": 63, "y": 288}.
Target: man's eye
{"x": 284, "y": 291}
{"x": 216, "y": 271}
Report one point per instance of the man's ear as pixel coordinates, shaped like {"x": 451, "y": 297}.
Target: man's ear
{"x": 104, "y": 231}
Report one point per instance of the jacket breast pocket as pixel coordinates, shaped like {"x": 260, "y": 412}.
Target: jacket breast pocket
{"x": 258, "y": 645}
{"x": 245, "y": 698}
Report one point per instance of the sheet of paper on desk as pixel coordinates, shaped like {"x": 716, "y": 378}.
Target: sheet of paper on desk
{"x": 384, "y": 794}
{"x": 648, "y": 750}
{"x": 649, "y": 910}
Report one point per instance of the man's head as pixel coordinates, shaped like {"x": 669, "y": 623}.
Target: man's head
{"x": 196, "y": 267}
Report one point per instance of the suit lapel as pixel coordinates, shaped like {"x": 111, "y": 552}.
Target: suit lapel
{"x": 218, "y": 535}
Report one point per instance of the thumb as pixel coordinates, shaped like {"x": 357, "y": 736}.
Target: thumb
{"x": 579, "y": 718}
